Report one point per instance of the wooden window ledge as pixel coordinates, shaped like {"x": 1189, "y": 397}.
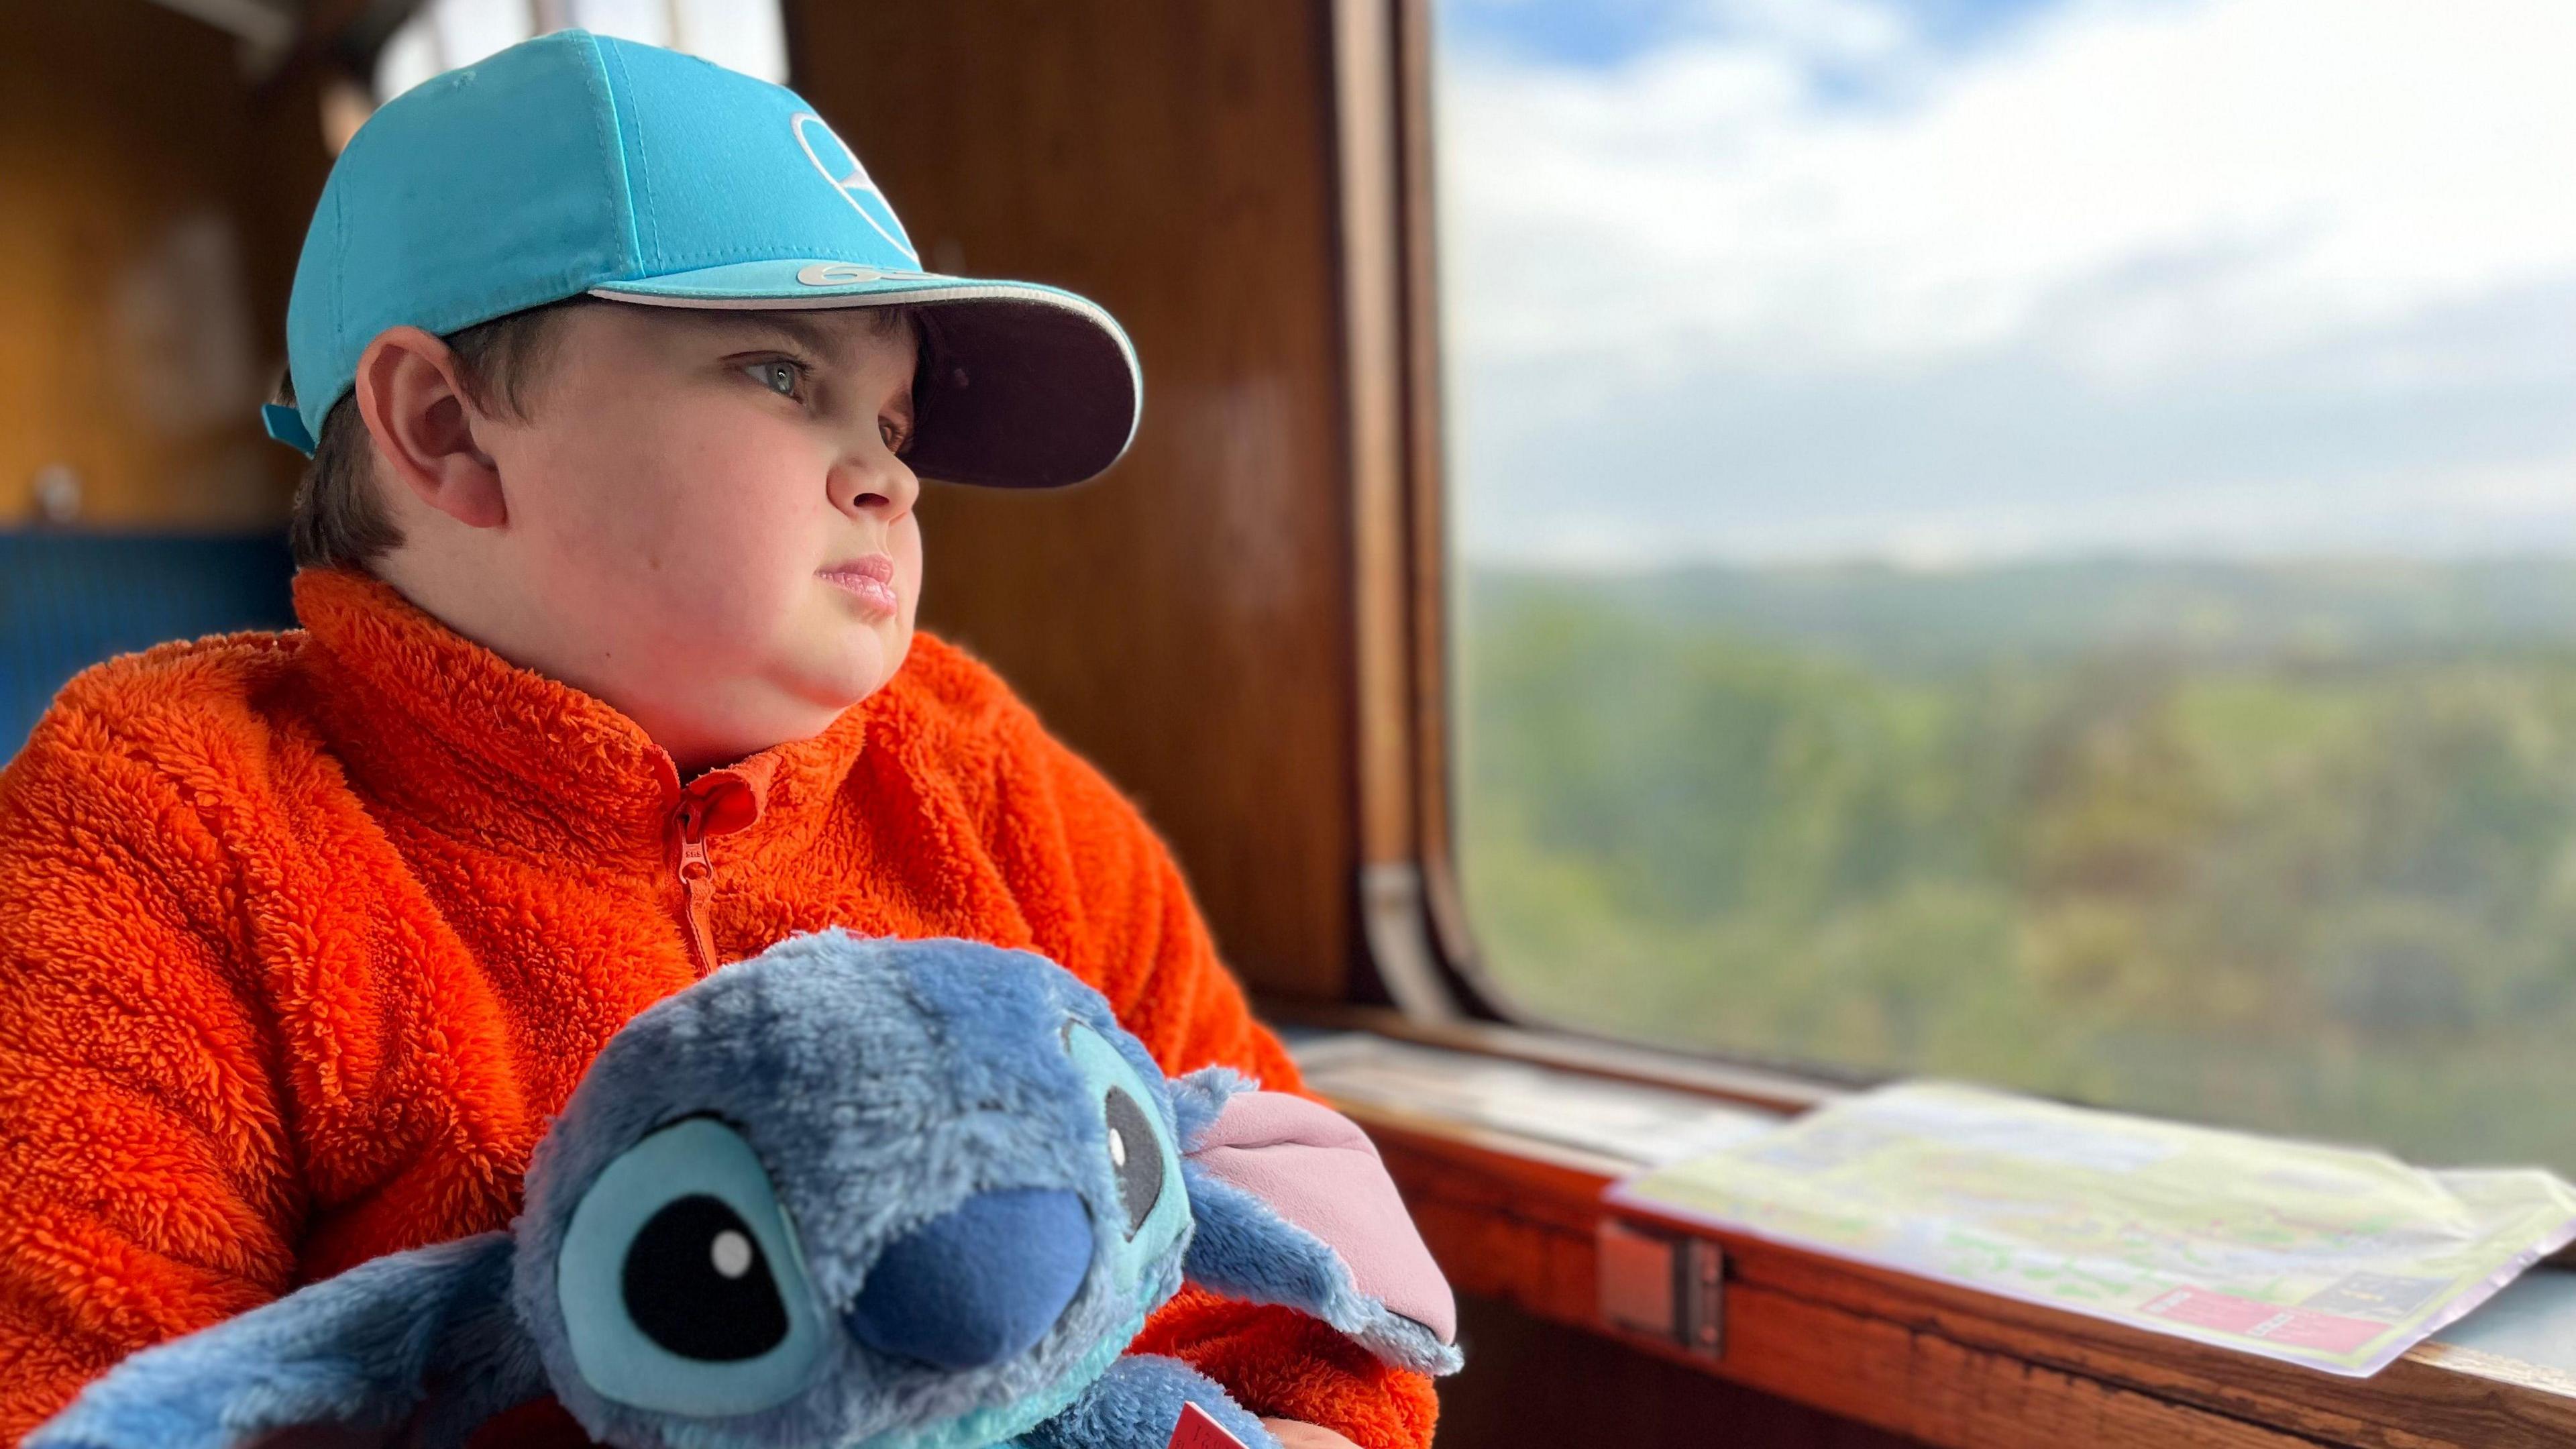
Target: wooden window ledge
{"x": 1505, "y": 1178}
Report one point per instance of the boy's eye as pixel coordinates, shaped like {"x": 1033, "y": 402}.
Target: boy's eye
{"x": 779, "y": 377}
{"x": 894, "y": 436}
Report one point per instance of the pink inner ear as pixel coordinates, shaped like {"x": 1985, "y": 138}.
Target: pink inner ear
{"x": 1317, "y": 1169}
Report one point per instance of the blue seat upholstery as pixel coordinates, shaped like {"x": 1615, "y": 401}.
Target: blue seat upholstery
{"x": 69, "y": 600}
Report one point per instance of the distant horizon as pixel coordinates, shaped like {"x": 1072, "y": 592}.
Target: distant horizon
{"x": 1900, "y": 619}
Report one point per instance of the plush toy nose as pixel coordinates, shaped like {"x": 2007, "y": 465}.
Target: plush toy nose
{"x": 979, "y": 1284}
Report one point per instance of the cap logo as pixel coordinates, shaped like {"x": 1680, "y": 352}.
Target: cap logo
{"x": 839, "y": 165}
{"x": 837, "y": 274}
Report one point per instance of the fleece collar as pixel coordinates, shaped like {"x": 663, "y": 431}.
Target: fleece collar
{"x": 504, "y": 758}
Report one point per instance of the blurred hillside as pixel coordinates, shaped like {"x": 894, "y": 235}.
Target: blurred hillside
{"x": 2289, "y": 845}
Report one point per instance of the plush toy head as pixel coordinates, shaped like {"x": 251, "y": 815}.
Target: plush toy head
{"x": 902, "y": 1195}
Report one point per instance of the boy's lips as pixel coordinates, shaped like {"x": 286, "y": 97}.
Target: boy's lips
{"x": 870, "y": 580}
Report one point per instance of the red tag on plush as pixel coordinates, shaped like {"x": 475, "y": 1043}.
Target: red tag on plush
{"x": 1197, "y": 1431}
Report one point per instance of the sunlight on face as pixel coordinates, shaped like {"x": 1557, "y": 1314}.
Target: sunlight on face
{"x": 710, "y": 512}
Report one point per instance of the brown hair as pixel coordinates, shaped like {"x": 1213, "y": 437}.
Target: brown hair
{"x": 339, "y": 518}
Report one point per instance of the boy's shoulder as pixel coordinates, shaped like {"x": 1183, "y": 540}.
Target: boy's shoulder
{"x": 189, "y": 698}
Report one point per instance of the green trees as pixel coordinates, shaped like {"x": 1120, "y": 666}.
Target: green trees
{"x": 2227, "y": 842}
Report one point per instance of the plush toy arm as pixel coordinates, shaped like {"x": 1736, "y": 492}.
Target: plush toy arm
{"x": 1293, "y": 1207}
{"x": 421, "y": 1342}
{"x": 1136, "y": 1405}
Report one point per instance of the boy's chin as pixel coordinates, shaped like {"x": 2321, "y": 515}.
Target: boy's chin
{"x": 854, "y": 664}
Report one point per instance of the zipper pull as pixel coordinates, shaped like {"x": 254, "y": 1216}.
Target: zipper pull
{"x": 698, "y": 884}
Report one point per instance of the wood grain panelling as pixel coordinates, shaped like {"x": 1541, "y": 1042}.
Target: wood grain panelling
{"x": 1183, "y": 621}
{"x": 150, "y": 213}
{"x": 1532, "y": 1384}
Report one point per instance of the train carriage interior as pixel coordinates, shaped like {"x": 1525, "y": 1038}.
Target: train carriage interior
{"x": 1889, "y": 686}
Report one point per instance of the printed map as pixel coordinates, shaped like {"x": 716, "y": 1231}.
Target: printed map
{"x": 2336, "y": 1258}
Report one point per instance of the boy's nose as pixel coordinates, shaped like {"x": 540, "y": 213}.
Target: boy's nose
{"x": 978, "y": 1284}
{"x": 884, "y": 487}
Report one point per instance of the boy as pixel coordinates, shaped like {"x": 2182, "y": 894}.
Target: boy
{"x": 618, "y": 372}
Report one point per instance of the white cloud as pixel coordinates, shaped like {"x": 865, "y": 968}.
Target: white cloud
{"x": 2294, "y": 163}
{"x": 2138, "y": 198}
{"x": 1841, "y": 31}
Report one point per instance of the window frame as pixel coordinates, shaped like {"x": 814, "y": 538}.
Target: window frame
{"x": 1417, "y": 951}
{"x": 1418, "y": 947}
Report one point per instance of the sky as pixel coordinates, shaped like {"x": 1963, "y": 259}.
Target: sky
{"x": 1944, "y": 281}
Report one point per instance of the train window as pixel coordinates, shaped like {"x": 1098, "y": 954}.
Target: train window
{"x": 2032, "y": 540}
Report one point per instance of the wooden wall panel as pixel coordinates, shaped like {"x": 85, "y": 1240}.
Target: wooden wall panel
{"x": 1185, "y": 620}
{"x": 150, "y": 212}
{"x": 1532, "y": 1384}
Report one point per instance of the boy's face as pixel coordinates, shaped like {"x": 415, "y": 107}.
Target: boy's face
{"x": 709, "y": 521}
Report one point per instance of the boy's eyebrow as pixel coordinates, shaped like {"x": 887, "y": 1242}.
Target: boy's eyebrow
{"x": 803, "y": 331}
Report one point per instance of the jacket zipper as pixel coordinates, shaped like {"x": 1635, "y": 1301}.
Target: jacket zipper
{"x": 698, "y": 883}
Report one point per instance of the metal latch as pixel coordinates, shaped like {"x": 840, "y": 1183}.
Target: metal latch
{"x": 1663, "y": 1285}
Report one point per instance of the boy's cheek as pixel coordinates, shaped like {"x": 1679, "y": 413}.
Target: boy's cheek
{"x": 695, "y": 534}
{"x": 698, "y": 517}
{"x": 691, "y": 579}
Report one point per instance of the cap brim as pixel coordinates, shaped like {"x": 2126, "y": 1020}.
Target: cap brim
{"x": 1021, "y": 385}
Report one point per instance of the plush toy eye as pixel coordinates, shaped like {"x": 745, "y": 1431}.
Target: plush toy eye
{"x": 699, "y": 1286}
{"x": 681, "y": 1285}
{"x": 1144, "y": 1166}
{"x": 1134, "y": 1151}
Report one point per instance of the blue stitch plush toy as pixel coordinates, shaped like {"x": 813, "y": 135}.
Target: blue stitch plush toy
{"x": 865, "y": 1193}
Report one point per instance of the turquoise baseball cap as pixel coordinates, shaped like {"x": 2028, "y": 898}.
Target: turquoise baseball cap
{"x": 578, "y": 164}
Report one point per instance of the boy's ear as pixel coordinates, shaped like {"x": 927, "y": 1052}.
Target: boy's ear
{"x": 1293, "y": 1207}
{"x": 350, "y": 1359}
{"x": 411, "y": 391}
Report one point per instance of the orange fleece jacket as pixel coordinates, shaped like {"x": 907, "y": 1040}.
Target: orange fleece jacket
{"x": 305, "y": 936}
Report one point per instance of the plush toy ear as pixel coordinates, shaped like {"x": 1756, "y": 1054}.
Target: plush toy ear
{"x": 1294, "y": 1207}
{"x": 423, "y": 1342}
